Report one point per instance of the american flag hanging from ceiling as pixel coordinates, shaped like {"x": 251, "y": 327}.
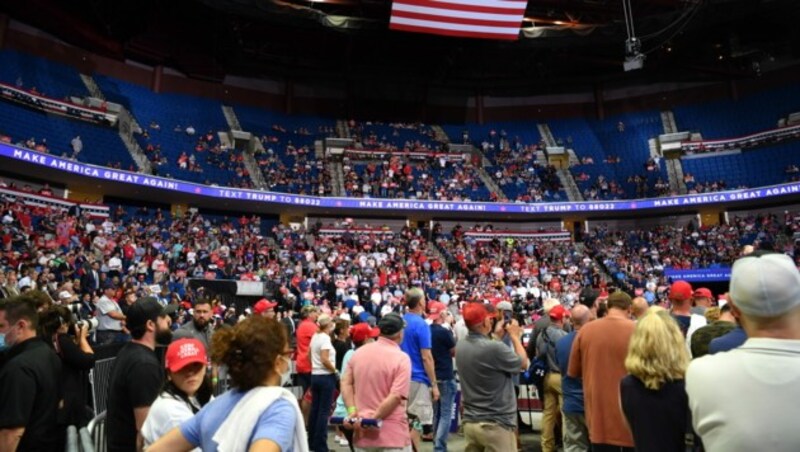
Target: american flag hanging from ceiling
{"x": 484, "y": 19}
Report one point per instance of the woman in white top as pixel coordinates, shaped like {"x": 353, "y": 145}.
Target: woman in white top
{"x": 186, "y": 390}
{"x": 324, "y": 377}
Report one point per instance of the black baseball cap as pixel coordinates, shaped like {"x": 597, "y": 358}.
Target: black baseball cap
{"x": 391, "y": 324}
{"x": 147, "y": 308}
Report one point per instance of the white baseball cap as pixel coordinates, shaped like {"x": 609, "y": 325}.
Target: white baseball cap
{"x": 765, "y": 285}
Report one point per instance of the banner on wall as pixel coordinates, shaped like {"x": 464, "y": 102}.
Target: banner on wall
{"x": 699, "y": 275}
{"x": 548, "y": 208}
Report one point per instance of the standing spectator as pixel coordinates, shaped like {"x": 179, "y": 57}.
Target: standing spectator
{"x": 109, "y": 317}
{"x": 553, "y": 396}
{"x": 324, "y": 376}
{"x": 540, "y": 325}
{"x": 186, "y": 390}
{"x": 71, "y": 344}
{"x": 376, "y": 385}
{"x": 755, "y": 408}
{"x": 265, "y": 308}
{"x": 576, "y": 434}
{"x": 77, "y": 146}
{"x": 90, "y": 281}
{"x": 305, "y": 331}
{"x": 417, "y": 344}
{"x": 341, "y": 341}
{"x": 734, "y": 338}
{"x": 257, "y": 413}
{"x": 137, "y": 377}
{"x": 443, "y": 348}
{"x": 506, "y": 311}
{"x": 200, "y": 327}
{"x": 653, "y": 395}
{"x": 701, "y": 300}
{"x": 598, "y": 357}
{"x": 486, "y": 367}
{"x": 639, "y": 308}
{"x": 30, "y": 382}
{"x": 361, "y": 334}
{"x": 288, "y": 322}
{"x": 680, "y": 294}
{"x": 701, "y": 339}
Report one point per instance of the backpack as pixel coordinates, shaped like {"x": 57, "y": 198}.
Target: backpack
{"x": 538, "y": 367}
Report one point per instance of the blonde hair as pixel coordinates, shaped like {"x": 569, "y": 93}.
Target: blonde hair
{"x": 712, "y": 314}
{"x": 657, "y": 351}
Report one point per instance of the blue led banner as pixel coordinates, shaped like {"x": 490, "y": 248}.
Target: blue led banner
{"x": 587, "y": 207}
{"x": 699, "y": 275}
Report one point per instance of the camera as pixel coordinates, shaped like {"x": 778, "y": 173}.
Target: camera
{"x": 89, "y": 324}
{"x": 74, "y": 309}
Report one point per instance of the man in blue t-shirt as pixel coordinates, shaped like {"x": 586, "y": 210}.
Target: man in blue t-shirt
{"x": 417, "y": 345}
{"x": 444, "y": 348}
{"x": 576, "y": 434}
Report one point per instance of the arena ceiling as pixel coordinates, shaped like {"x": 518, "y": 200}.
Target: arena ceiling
{"x": 565, "y": 42}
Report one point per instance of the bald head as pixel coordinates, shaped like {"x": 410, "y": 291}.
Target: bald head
{"x": 639, "y": 307}
{"x": 580, "y": 315}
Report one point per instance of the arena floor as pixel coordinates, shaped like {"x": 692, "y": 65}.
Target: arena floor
{"x": 456, "y": 443}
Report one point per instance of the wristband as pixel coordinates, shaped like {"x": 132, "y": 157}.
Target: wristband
{"x": 351, "y": 410}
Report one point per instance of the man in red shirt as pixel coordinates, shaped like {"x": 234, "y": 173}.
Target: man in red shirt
{"x": 305, "y": 330}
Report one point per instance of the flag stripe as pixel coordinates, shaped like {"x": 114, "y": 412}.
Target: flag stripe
{"x": 456, "y": 20}
{"x": 519, "y": 7}
{"x": 453, "y": 33}
{"x": 493, "y": 19}
{"x": 455, "y": 27}
{"x": 450, "y": 14}
{"x": 506, "y": 4}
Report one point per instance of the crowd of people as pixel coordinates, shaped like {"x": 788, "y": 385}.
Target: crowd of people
{"x": 636, "y": 259}
{"x": 343, "y": 294}
{"x": 430, "y": 178}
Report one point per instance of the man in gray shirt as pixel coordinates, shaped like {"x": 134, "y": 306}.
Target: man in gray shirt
{"x": 486, "y": 368}
{"x": 109, "y": 318}
{"x": 200, "y": 327}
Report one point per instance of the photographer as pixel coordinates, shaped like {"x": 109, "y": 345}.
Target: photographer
{"x": 69, "y": 339}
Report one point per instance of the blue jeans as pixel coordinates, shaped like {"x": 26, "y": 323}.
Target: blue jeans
{"x": 443, "y": 414}
{"x": 322, "y": 388}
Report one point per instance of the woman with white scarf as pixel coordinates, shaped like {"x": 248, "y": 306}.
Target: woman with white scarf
{"x": 257, "y": 414}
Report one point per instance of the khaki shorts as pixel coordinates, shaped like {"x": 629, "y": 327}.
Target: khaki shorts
{"x": 420, "y": 403}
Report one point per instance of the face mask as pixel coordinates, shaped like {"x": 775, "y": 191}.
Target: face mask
{"x": 287, "y": 375}
{"x": 3, "y": 345}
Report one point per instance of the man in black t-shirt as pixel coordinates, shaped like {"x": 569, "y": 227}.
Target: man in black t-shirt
{"x": 137, "y": 376}
{"x": 30, "y": 383}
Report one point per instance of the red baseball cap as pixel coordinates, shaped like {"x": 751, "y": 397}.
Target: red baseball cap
{"x": 435, "y": 309}
{"x": 703, "y": 292}
{"x": 183, "y": 352}
{"x": 360, "y": 332}
{"x": 680, "y": 291}
{"x": 558, "y": 312}
{"x": 474, "y": 313}
{"x": 263, "y": 305}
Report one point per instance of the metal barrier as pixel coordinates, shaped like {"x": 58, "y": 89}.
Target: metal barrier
{"x": 72, "y": 439}
{"x": 97, "y": 430}
{"x": 100, "y": 377}
{"x": 86, "y": 440}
